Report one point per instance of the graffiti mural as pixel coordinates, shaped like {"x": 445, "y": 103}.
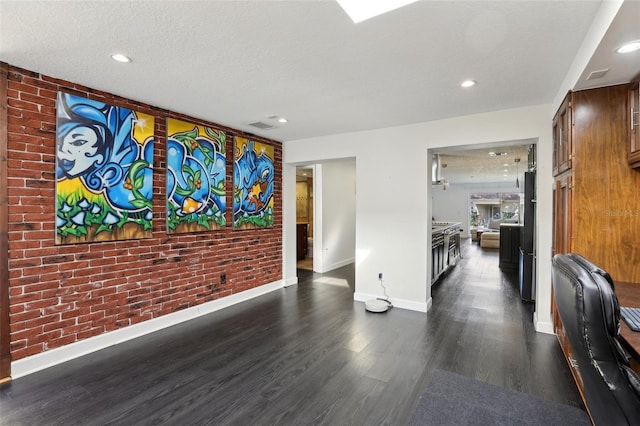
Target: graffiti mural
{"x": 253, "y": 180}
{"x": 196, "y": 171}
{"x": 104, "y": 171}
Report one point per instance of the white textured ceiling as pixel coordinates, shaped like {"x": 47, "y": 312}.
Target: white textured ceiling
{"x": 475, "y": 165}
{"x": 235, "y": 62}
{"x": 619, "y": 68}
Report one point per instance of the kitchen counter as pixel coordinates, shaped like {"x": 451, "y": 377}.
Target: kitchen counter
{"x": 441, "y": 226}
{"x": 445, "y": 247}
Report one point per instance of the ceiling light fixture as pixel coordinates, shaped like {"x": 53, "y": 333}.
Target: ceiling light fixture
{"x": 119, "y": 57}
{"x": 629, "y": 47}
{"x": 359, "y": 10}
{"x": 445, "y": 183}
{"x": 276, "y": 117}
{"x": 468, "y": 83}
{"x": 517, "y": 160}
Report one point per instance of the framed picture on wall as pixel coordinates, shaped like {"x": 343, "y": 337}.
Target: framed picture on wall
{"x": 253, "y": 184}
{"x": 495, "y": 212}
{"x": 104, "y": 171}
{"x": 196, "y": 173}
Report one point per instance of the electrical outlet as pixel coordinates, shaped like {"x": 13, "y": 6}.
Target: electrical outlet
{"x": 223, "y": 278}
{"x": 379, "y": 275}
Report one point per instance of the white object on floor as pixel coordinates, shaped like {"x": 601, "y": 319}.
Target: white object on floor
{"x": 376, "y": 305}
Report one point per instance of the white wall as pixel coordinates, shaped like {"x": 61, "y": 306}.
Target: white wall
{"x": 449, "y": 205}
{"x": 335, "y": 214}
{"x": 393, "y": 207}
{"x": 289, "y": 273}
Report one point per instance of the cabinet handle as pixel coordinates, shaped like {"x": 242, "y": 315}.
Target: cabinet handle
{"x": 633, "y": 123}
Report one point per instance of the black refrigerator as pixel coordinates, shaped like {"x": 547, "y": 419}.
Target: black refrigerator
{"x": 527, "y": 254}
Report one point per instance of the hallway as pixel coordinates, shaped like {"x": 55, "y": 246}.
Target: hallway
{"x": 306, "y": 354}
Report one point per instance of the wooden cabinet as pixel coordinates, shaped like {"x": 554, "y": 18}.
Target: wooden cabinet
{"x": 563, "y": 136}
{"x": 634, "y": 125}
{"x": 596, "y": 202}
{"x": 561, "y": 217}
{"x": 596, "y": 207}
{"x": 510, "y": 246}
{"x": 562, "y": 207}
{"x": 571, "y": 361}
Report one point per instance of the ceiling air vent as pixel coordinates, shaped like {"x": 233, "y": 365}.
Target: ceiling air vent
{"x": 261, "y": 125}
{"x": 597, "y": 74}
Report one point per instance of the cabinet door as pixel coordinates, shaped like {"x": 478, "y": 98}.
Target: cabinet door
{"x": 301, "y": 236}
{"x": 634, "y": 128}
{"x": 509, "y": 247}
{"x": 562, "y": 214}
{"x": 562, "y": 204}
{"x": 562, "y": 137}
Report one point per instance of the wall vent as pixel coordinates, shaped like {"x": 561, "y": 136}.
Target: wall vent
{"x": 597, "y": 74}
{"x": 261, "y": 125}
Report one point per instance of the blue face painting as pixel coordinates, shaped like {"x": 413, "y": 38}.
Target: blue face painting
{"x": 78, "y": 151}
{"x": 96, "y": 146}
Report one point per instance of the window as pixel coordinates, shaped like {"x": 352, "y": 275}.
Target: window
{"x": 487, "y": 206}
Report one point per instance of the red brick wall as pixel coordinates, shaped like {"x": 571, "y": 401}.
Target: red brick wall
{"x": 63, "y": 294}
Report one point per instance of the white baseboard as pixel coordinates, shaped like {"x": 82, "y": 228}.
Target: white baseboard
{"x": 397, "y": 303}
{"x": 291, "y": 281}
{"x": 336, "y": 265}
{"x": 542, "y": 326}
{"x": 47, "y": 359}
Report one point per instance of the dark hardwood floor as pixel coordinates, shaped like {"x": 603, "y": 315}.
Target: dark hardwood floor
{"x": 306, "y": 354}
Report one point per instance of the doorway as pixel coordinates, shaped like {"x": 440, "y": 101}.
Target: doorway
{"x": 326, "y": 211}
{"x": 495, "y": 168}
{"x": 304, "y": 217}
{"x": 480, "y": 188}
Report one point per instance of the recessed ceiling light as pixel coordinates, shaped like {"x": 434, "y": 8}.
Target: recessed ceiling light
{"x": 468, "y": 83}
{"x": 277, "y": 117}
{"x": 359, "y": 10}
{"x": 120, "y": 58}
{"x": 629, "y": 47}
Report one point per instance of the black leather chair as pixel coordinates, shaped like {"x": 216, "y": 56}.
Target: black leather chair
{"x": 590, "y": 314}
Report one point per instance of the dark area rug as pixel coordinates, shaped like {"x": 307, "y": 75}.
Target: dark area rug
{"x": 451, "y": 399}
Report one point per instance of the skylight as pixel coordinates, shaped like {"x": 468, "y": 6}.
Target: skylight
{"x": 360, "y": 10}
